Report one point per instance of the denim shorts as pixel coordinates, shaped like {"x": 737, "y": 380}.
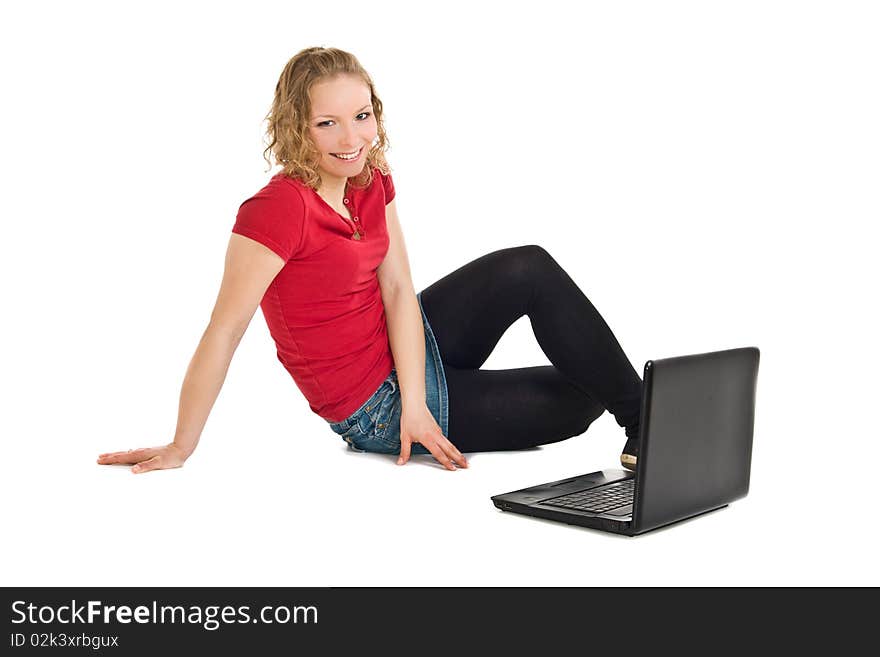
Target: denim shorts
{"x": 375, "y": 426}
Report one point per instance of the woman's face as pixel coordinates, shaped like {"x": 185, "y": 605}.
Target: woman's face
{"x": 342, "y": 125}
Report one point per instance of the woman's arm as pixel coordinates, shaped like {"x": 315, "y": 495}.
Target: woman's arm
{"x": 250, "y": 268}
{"x": 405, "y": 330}
{"x": 406, "y": 333}
{"x": 201, "y": 386}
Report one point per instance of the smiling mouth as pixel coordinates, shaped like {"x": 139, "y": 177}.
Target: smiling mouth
{"x": 348, "y": 156}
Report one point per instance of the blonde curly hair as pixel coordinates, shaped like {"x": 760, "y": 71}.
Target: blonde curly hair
{"x": 288, "y": 119}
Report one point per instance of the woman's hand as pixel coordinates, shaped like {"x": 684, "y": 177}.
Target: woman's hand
{"x": 147, "y": 458}
{"x": 417, "y": 425}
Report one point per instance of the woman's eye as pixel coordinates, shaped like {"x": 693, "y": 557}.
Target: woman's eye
{"x": 325, "y": 124}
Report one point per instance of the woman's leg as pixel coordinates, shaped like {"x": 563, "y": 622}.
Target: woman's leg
{"x": 471, "y": 308}
{"x": 492, "y": 410}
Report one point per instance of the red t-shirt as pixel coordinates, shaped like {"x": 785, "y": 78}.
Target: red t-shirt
{"x": 324, "y": 308}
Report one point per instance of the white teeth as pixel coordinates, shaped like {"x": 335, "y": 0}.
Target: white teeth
{"x": 348, "y": 156}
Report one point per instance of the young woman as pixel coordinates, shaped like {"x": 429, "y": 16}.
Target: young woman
{"x": 321, "y": 251}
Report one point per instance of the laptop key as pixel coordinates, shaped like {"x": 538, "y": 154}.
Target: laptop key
{"x": 615, "y": 499}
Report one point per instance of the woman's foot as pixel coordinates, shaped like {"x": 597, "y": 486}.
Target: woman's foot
{"x": 630, "y": 455}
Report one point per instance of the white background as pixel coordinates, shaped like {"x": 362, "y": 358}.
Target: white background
{"x": 706, "y": 172}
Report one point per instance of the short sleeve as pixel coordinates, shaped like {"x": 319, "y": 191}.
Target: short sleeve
{"x": 274, "y": 219}
{"x": 388, "y": 185}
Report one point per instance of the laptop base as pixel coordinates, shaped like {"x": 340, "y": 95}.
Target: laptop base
{"x": 530, "y": 502}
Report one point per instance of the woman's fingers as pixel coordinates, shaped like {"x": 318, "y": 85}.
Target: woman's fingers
{"x": 154, "y": 463}
{"x": 130, "y": 456}
{"x": 431, "y": 445}
{"x": 441, "y": 449}
{"x": 440, "y": 455}
{"x": 455, "y": 455}
{"x": 112, "y": 457}
{"x": 450, "y": 453}
{"x": 146, "y": 459}
{"x": 404, "y": 451}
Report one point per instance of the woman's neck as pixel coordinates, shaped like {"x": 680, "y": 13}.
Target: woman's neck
{"x": 332, "y": 190}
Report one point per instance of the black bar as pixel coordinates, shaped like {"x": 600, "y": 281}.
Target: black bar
{"x": 290, "y": 620}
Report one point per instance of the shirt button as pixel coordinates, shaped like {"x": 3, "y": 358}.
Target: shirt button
{"x": 355, "y": 218}
{"x": 345, "y": 200}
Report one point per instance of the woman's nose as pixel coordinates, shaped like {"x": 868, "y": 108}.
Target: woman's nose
{"x": 348, "y": 137}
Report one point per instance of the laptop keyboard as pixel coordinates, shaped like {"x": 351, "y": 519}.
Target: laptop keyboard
{"x": 597, "y": 500}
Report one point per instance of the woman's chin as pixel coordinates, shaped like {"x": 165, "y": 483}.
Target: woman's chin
{"x": 344, "y": 171}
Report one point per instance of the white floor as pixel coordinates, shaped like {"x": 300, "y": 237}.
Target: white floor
{"x": 261, "y": 503}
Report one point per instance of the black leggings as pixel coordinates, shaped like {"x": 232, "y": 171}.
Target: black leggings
{"x": 471, "y": 308}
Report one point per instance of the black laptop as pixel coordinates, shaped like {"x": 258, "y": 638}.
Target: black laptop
{"x": 695, "y": 454}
